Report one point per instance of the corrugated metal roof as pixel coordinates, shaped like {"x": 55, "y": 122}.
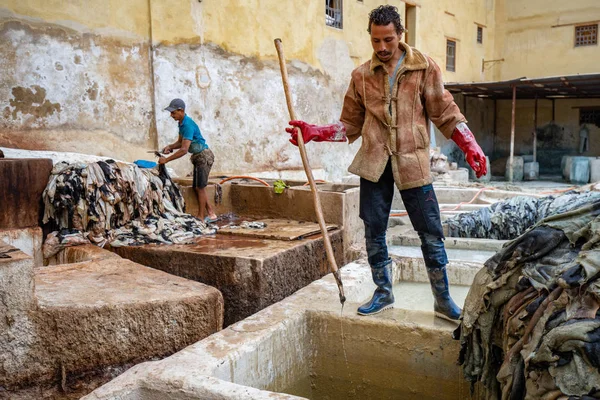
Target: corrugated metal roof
{"x": 556, "y": 87}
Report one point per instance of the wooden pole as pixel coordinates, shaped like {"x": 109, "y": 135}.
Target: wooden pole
{"x": 495, "y": 128}
{"x": 535, "y": 115}
{"x": 309, "y": 175}
{"x": 512, "y": 135}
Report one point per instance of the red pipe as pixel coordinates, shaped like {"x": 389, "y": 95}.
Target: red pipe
{"x": 244, "y": 177}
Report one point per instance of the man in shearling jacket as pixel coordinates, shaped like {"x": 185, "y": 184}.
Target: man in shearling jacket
{"x": 388, "y": 103}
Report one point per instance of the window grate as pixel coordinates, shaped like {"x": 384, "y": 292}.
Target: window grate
{"x": 334, "y": 13}
{"x": 450, "y": 55}
{"x": 479, "y": 34}
{"x": 589, "y": 115}
{"x": 586, "y": 35}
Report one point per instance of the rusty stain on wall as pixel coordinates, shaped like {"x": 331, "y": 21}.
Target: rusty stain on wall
{"x": 32, "y": 101}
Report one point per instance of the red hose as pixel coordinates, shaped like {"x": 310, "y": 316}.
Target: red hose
{"x": 402, "y": 214}
{"x": 244, "y": 177}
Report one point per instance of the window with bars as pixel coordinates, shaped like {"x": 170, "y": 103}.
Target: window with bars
{"x": 334, "y": 13}
{"x": 479, "y": 34}
{"x": 589, "y": 115}
{"x": 450, "y": 55}
{"x": 586, "y": 35}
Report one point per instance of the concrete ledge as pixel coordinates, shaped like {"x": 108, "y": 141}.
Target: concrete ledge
{"x": 76, "y": 254}
{"x": 451, "y": 242}
{"x": 413, "y": 270}
{"x": 251, "y": 273}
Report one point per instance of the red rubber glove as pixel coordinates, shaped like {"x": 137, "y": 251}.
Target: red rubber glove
{"x": 465, "y": 140}
{"x": 325, "y": 133}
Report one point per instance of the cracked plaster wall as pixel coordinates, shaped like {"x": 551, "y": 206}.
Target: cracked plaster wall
{"x": 80, "y": 86}
{"x": 73, "y": 90}
{"x": 240, "y": 107}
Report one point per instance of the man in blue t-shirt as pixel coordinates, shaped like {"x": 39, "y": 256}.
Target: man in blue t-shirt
{"x": 191, "y": 140}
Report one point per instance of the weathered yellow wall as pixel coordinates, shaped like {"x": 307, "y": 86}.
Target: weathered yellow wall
{"x": 75, "y": 77}
{"x": 115, "y": 17}
{"x": 435, "y": 24}
{"x": 249, "y": 27}
{"x": 531, "y": 47}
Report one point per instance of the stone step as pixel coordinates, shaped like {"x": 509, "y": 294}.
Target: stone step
{"x": 252, "y": 273}
{"x": 487, "y": 245}
{"x": 451, "y": 207}
{"x": 102, "y": 311}
{"x": 462, "y": 264}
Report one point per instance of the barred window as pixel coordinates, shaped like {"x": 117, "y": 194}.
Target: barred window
{"x": 589, "y": 115}
{"x": 586, "y": 35}
{"x": 479, "y": 34}
{"x": 450, "y": 55}
{"x": 334, "y": 13}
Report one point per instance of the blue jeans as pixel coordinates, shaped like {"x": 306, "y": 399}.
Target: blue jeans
{"x": 422, "y": 208}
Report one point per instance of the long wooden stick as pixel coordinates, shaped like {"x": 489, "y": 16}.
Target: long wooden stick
{"x": 309, "y": 175}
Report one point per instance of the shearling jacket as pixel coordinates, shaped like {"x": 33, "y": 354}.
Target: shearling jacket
{"x": 418, "y": 94}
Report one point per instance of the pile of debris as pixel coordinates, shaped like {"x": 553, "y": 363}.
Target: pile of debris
{"x": 531, "y": 325}
{"x": 510, "y": 218}
{"x": 117, "y": 203}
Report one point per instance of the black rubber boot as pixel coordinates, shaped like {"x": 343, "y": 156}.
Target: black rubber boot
{"x": 383, "y": 298}
{"x": 443, "y": 306}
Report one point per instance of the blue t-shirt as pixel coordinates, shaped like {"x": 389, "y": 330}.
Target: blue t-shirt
{"x": 189, "y": 130}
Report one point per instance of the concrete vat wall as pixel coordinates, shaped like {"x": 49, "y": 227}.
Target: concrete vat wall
{"x": 22, "y": 182}
{"x": 339, "y": 204}
{"x": 305, "y": 336}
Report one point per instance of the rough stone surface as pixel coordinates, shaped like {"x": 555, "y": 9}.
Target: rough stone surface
{"x": 17, "y": 322}
{"x": 251, "y": 273}
{"x": 22, "y": 182}
{"x": 101, "y": 311}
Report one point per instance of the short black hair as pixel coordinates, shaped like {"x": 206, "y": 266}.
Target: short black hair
{"x": 385, "y": 15}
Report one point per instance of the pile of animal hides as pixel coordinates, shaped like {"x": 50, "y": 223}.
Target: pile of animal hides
{"x": 531, "y": 327}
{"x": 508, "y": 219}
{"x": 116, "y": 203}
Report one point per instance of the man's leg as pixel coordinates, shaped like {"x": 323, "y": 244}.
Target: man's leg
{"x": 375, "y": 204}
{"x": 424, "y": 212}
{"x": 202, "y": 201}
{"x": 202, "y": 166}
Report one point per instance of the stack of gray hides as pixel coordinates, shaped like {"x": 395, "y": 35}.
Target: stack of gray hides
{"x": 531, "y": 322}
{"x": 508, "y": 219}
{"x": 116, "y": 203}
